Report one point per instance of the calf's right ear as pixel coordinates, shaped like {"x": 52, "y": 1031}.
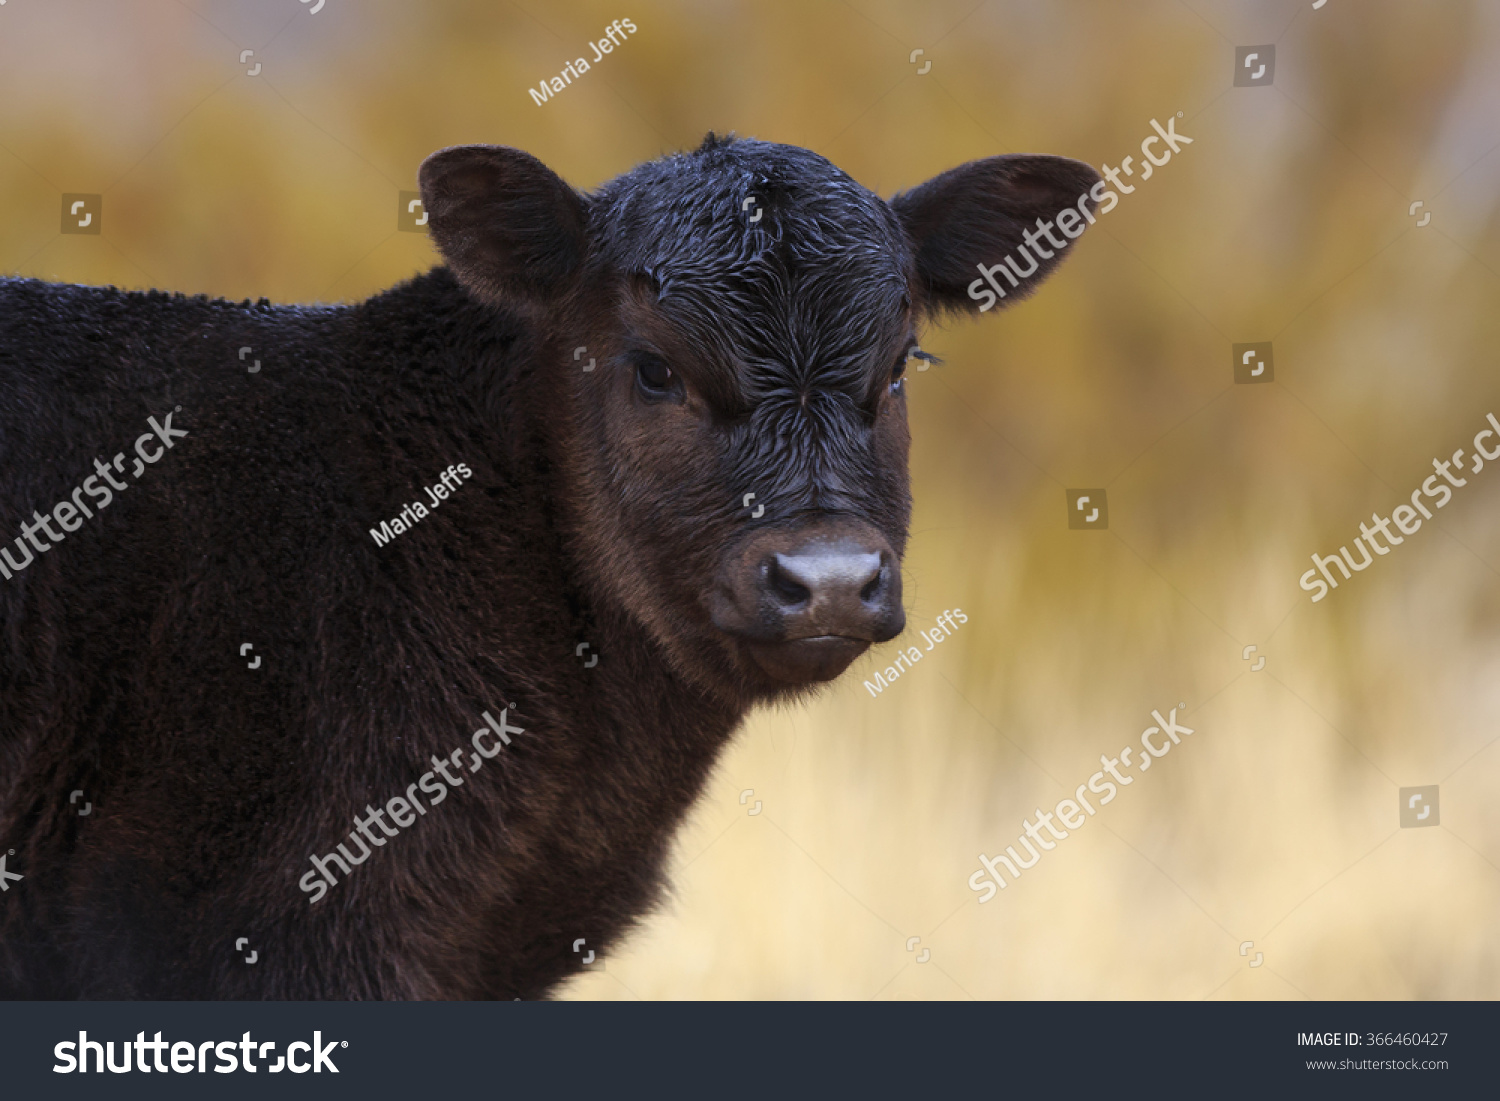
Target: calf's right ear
{"x": 507, "y": 225}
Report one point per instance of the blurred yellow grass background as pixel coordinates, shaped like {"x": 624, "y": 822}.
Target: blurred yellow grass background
{"x": 1285, "y": 220}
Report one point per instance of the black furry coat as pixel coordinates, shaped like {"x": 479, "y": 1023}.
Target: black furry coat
{"x": 125, "y": 674}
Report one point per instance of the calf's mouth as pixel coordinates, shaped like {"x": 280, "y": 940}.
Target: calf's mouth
{"x": 807, "y": 660}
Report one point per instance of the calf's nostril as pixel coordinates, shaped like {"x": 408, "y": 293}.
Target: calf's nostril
{"x": 873, "y": 586}
{"x": 785, "y": 584}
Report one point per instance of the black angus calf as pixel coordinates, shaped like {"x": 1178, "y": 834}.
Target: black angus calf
{"x": 248, "y": 614}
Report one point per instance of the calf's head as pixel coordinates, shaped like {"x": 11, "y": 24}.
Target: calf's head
{"x": 725, "y": 335}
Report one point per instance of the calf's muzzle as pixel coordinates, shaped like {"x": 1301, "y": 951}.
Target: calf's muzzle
{"x": 805, "y": 601}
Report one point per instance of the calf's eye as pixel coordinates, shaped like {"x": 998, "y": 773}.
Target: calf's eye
{"x": 653, "y": 376}
{"x": 898, "y": 372}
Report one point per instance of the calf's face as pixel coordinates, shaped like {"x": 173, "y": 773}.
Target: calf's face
{"x": 730, "y": 329}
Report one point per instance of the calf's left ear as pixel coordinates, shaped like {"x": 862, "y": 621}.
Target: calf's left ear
{"x": 979, "y": 213}
{"x": 507, "y": 225}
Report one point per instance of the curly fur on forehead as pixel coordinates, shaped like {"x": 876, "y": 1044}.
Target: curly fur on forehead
{"x": 802, "y": 297}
